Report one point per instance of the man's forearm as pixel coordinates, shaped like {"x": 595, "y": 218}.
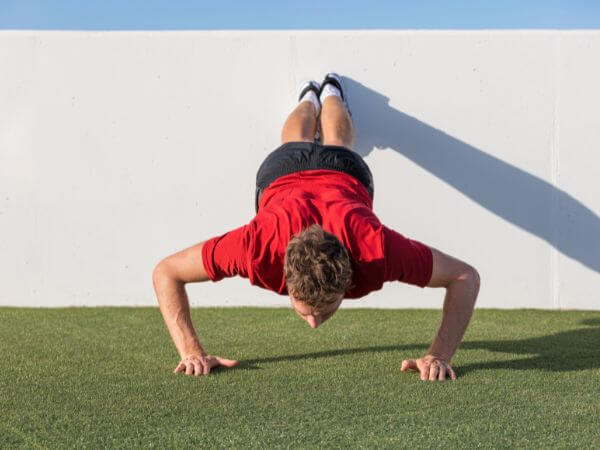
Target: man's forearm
{"x": 458, "y": 309}
{"x": 175, "y": 309}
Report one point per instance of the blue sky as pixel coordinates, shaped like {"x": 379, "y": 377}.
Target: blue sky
{"x": 302, "y": 14}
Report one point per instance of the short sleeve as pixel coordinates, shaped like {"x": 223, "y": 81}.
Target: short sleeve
{"x": 406, "y": 260}
{"x": 226, "y": 255}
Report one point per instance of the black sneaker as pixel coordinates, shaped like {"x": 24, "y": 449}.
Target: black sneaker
{"x": 334, "y": 79}
{"x": 316, "y": 88}
{"x": 309, "y": 86}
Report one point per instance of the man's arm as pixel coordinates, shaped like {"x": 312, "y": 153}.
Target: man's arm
{"x": 462, "y": 286}
{"x": 169, "y": 279}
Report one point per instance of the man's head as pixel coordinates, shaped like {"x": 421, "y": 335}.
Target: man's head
{"x": 317, "y": 272}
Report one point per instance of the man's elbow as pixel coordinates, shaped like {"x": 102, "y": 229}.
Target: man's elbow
{"x": 162, "y": 273}
{"x": 470, "y": 277}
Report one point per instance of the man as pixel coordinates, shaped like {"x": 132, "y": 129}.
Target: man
{"x": 315, "y": 238}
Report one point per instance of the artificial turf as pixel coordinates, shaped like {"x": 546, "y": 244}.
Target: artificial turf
{"x": 102, "y": 377}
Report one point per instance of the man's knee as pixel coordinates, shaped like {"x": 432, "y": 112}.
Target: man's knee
{"x": 286, "y": 138}
{"x": 339, "y": 141}
{"x": 338, "y": 134}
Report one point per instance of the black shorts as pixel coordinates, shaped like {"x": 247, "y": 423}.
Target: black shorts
{"x": 295, "y": 157}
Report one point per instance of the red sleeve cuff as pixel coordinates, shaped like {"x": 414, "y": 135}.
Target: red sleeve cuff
{"x": 208, "y": 260}
{"x": 227, "y": 255}
{"x": 407, "y": 260}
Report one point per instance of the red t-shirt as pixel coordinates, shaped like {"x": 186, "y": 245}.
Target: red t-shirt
{"x": 341, "y": 205}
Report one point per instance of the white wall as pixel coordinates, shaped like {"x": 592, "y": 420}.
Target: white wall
{"x": 117, "y": 149}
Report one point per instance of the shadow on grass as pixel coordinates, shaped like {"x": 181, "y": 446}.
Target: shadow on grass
{"x": 333, "y": 353}
{"x": 561, "y": 352}
{"x": 252, "y": 363}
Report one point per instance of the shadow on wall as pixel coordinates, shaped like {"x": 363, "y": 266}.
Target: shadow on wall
{"x": 507, "y": 191}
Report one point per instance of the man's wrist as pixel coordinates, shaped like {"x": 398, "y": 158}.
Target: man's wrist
{"x": 198, "y": 353}
{"x": 192, "y": 349}
{"x": 438, "y": 356}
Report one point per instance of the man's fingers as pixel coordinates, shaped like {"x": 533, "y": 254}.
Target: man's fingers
{"x": 429, "y": 369}
{"x": 198, "y": 368}
{"x": 434, "y": 371}
{"x": 442, "y": 374}
{"x": 452, "y": 373}
{"x": 226, "y": 362}
{"x": 189, "y": 368}
{"x": 424, "y": 371}
{"x": 409, "y": 364}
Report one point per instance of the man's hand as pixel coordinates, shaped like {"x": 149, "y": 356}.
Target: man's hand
{"x": 202, "y": 364}
{"x": 430, "y": 367}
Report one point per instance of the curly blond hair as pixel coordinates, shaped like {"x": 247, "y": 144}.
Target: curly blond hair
{"x": 317, "y": 267}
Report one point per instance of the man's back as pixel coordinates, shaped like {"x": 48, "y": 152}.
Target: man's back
{"x": 342, "y": 206}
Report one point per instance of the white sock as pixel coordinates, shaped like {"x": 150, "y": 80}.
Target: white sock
{"x": 310, "y": 96}
{"x": 328, "y": 90}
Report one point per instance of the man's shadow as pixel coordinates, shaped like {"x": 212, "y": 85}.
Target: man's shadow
{"x": 249, "y": 363}
{"x": 503, "y": 189}
{"x": 561, "y": 352}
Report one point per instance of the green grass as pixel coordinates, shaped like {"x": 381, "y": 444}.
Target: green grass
{"x": 102, "y": 377}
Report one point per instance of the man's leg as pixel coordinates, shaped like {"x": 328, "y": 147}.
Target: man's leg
{"x": 336, "y": 123}
{"x": 301, "y": 124}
